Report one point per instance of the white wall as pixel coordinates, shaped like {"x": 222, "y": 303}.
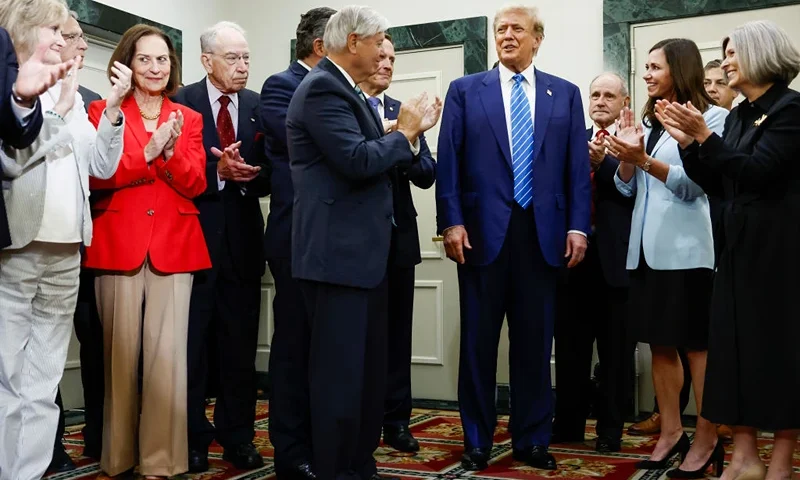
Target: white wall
{"x": 191, "y": 16}
{"x": 573, "y": 47}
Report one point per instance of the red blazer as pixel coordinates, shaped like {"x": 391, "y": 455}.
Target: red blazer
{"x": 147, "y": 210}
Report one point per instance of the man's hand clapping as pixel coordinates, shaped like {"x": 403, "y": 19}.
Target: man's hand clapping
{"x": 231, "y": 165}
{"x": 417, "y": 116}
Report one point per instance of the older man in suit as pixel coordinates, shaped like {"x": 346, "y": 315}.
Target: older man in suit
{"x": 342, "y": 222}
{"x": 225, "y": 305}
{"x": 593, "y": 299}
{"x": 404, "y": 254}
{"x": 513, "y": 201}
{"x": 289, "y": 414}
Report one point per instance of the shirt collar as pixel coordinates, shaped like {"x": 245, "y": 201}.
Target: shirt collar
{"x": 344, "y": 72}
{"x": 611, "y": 129}
{"x": 214, "y": 94}
{"x": 768, "y": 99}
{"x": 506, "y": 74}
{"x": 379, "y": 96}
{"x": 304, "y": 65}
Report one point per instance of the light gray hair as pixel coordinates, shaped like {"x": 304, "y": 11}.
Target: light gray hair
{"x": 208, "y": 39}
{"x": 362, "y": 21}
{"x": 623, "y": 86}
{"x": 74, "y": 14}
{"x": 531, "y": 12}
{"x": 765, "y": 52}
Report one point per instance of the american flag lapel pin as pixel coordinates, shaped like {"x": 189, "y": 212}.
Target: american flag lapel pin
{"x": 549, "y": 93}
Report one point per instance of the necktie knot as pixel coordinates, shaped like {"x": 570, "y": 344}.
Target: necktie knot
{"x": 374, "y": 101}
{"x": 358, "y": 90}
{"x": 518, "y": 78}
{"x": 224, "y": 101}
{"x": 601, "y": 133}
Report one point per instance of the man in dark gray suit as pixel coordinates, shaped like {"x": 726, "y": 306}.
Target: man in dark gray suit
{"x": 342, "y": 224}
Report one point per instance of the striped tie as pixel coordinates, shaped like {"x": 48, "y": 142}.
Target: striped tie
{"x": 521, "y": 143}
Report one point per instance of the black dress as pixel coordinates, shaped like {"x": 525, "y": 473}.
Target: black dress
{"x": 753, "y": 370}
{"x": 670, "y": 307}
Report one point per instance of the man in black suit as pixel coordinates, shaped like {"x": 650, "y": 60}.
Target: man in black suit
{"x": 404, "y": 254}
{"x": 289, "y": 414}
{"x": 224, "y": 310}
{"x": 593, "y": 295}
{"x": 342, "y": 224}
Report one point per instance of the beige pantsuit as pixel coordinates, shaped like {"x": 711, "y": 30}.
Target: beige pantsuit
{"x": 162, "y": 442}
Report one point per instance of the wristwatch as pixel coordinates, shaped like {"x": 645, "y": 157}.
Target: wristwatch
{"x": 646, "y": 164}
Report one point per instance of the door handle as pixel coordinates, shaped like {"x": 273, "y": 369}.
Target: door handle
{"x": 437, "y": 239}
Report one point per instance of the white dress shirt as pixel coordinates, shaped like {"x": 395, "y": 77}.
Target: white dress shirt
{"x": 381, "y": 104}
{"x": 304, "y": 65}
{"x": 233, "y": 108}
{"x": 611, "y": 129}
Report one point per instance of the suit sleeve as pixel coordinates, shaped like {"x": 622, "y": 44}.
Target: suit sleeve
{"x": 185, "y": 171}
{"x": 132, "y": 170}
{"x": 771, "y": 156}
{"x": 332, "y": 125}
{"x": 11, "y": 130}
{"x": 451, "y": 138}
{"x": 422, "y": 171}
{"x": 580, "y": 184}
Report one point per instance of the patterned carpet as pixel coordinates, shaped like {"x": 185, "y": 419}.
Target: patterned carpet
{"x": 439, "y": 433}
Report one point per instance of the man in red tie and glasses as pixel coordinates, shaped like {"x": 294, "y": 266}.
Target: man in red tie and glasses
{"x": 593, "y": 295}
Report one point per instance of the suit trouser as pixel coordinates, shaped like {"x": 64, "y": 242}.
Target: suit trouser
{"x": 162, "y": 337}
{"x": 223, "y": 316}
{"x": 289, "y": 411}
{"x": 38, "y": 291}
{"x": 520, "y": 284}
{"x": 401, "y": 316}
{"x": 347, "y": 377}
{"x": 589, "y": 309}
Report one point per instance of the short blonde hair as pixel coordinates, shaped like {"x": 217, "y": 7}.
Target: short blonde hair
{"x": 531, "y": 12}
{"x": 765, "y": 53}
{"x": 23, "y": 18}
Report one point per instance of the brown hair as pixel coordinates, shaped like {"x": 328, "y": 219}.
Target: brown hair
{"x": 126, "y": 50}
{"x": 686, "y": 70}
{"x": 22, "y": 19}
{"x": 387, "y": 36}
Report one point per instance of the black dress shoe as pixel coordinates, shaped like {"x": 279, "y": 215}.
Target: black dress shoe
{"x": 475, "y": 459}
{"x": 606, "y": 444}
{"x": 536, "y": 457}
{"x": 399, "y": 437}
{"x": 92, "y": 452}
{"x": 198, "y": 461}
{"x": 60, "y": 461}
{"x": 243, "y": 457}
{"x": 301, "y": 471}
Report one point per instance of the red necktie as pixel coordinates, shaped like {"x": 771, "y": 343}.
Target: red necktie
{"x": 224, "y": 123}
{"x": 600, "y": 134}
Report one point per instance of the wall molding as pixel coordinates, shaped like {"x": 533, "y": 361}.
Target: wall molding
{"x": 437, "y": 358}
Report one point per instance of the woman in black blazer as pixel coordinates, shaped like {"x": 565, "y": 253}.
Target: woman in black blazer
{"x": 753, "y": 372}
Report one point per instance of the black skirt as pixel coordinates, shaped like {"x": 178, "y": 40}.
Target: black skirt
{"x": 670, "y": 308}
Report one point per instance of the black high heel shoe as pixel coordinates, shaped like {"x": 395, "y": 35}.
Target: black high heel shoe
{"x": 680, "y": 448}
{"x": 717, "y": 457}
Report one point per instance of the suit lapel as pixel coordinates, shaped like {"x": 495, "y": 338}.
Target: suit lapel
{"x": 247, "y": 121}
{"x": 492, "y": 99}
{"x": 391, "y": 107}
{"x": 330, "y": 67}
{"x": 198, "y": 101}
{"x": 544, "y": 108}
{"x": 133, "y": 120}
{"x": 661, "y": 141}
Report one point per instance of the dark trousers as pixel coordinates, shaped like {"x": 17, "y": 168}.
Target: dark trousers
{"x": 398, "y": 378}
{"x": 687, "y": 382}
{"x": 289, "y": 413}
{"x": 589, "y": 309}
{"x": 347, "y": 376}
{"x": 89, "y": 331}
{"x": 519, "y": 284}
{"x": 223, "y": 315}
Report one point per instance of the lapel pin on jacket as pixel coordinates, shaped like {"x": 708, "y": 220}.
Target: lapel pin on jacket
{"x": 758, "y": 122}
{"x": 549, "y": 92}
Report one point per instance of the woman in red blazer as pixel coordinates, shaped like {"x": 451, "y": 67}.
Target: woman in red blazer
{"x": 147, "y": 243}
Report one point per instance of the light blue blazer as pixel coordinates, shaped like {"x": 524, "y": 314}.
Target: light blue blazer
{"x": 671, "y": 221}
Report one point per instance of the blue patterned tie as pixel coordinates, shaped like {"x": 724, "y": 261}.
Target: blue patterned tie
{"x": 521, "y": 143}
{"x": 374, "y": 101}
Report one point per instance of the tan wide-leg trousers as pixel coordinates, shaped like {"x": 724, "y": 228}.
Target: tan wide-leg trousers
{"x": 162, "y": 444}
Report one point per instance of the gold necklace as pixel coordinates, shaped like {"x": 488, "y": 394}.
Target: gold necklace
{"x": 155, "y": 115}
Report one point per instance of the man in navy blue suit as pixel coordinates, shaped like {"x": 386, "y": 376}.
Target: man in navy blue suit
{"x": 593, "y": 299}
{"x": 342, "y": 222}
{"x": 226, "y": 300}
{"x": 404, "y": 254}
{"x": 289, "y": 414}
{"x": 513, "y": 199}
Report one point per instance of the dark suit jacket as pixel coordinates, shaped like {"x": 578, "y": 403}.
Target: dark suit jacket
{"x": 340, "y": 162}
{"x": 275, "y": 97}
{"x": 421, "y": 173}
{"x": 11, "y": 132}
{"x": 612, "y": 219}
{"x": 234, "y": 213}
{"x": 88, "y": 96}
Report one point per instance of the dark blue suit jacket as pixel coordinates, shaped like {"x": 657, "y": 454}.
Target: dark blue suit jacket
{"x": 340, "y": 162}
{"x": 230, "y": 214}
{"x": 475, "y": 184}
{"x": 11, "y": 132}
{"x": 421, "y": 173}
{"x": 275, "y": 97}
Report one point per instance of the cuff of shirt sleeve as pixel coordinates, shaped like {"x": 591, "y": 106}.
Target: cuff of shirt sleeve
{"x": 414, "y": 147}
{"x": 23, "y": 114}
{"x": 220, "y": 183}
{"x": 578, "y": 232}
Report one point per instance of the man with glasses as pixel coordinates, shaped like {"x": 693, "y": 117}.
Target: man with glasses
{"x": 224, "y": 312}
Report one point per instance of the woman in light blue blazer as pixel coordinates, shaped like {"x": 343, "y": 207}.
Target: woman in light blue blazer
{"x": 671, "y": 252}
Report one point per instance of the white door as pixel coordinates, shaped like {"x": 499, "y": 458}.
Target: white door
{"x": 707, "y": 32}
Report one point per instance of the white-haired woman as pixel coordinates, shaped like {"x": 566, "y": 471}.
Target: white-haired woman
{"x": 46, "y": 190}
{"x": 753, "y": 372}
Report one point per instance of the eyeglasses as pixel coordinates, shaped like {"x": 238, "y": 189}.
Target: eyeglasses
{"x": 73, "y": 37}
{"x": 233, "y": 59}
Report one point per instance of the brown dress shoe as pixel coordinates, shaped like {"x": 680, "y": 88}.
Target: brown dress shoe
{"x": 725, "y": 433}
{"x": 650, "y": 426}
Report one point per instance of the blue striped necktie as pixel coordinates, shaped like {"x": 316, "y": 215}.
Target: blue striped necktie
{"x": 521, "y": 143}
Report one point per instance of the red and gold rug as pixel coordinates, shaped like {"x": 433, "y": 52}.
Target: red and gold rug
{"x": 440, "y": 436}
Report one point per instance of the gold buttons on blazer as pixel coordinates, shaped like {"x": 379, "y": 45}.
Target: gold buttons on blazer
{"x": 151, "y": 212}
